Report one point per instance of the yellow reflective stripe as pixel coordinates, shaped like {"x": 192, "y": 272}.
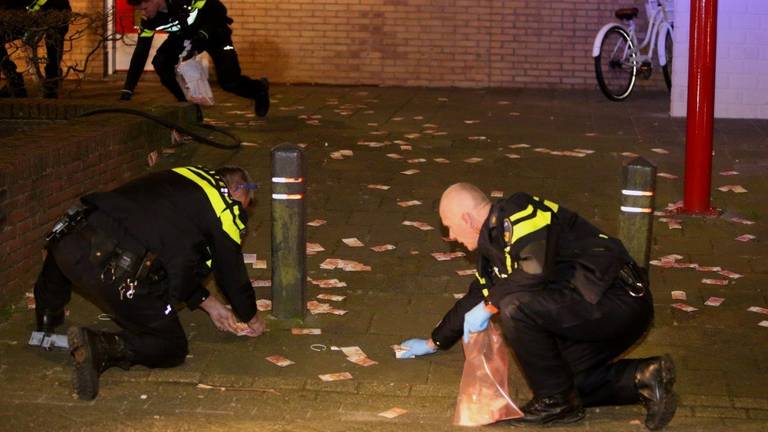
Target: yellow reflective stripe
{"x": 34, "y": 7}
{"x": 220, "y": 186}
{"x": 602, "y": 236}
{"x": 521, "y": 214}
{"x": 485, "y": 292}
{"x": 551, "y": 205}
{"x": 147, "y": 33}
{"x": 509, "y": 259}
{"x": 217, "y": 202}
{"x": 209, "y": 263}
{"x": 479, "y": 278}
{"x": 529, "y": 226}
{"x": 198, "y": 4}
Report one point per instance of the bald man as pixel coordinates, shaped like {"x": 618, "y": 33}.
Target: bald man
{"x": 569, "y": 299}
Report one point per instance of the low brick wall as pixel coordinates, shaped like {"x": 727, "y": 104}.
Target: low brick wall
{"x": 44, "y": 170}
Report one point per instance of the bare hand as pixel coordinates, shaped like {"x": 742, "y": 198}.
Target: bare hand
{"x": 257, "y": 326}
{"x": 221, "y": 317}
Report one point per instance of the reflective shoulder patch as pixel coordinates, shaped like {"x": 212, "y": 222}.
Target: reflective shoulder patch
{"x": 507, "y": 231}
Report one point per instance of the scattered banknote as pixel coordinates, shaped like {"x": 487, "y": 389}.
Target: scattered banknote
{"x": 405, "y": 147}
{"x": 729, "y": 173}
{"x": 394, "y": 156}
{"x": 280, "y": 360}
{"x": 742, "y": 221}
{"x": 29, "y": 298}
{"x": 471, "y": 121}
{"x": 362, "y": 361}
{"x": 715, "y": 281}
{"x": 328, "y": 283}
{"x": 410, "y": 172}
{"x": 441, "y": 160}
{"x": 477, "y": 138}
{"x": 714, "y": 301}
{"x": 401, "y": 351}
{"x": 331, "y": 297}
{"x": 745, "y": 237}
{"x": 666, "y": 175}
{"x": 306, "y": 331}
{"x": 416, "y": 160}
{"x": 497, "y": 194}
{"x": 516, "y": 146}
{"x": 346, "y": 265}
{"x": 378, "y": 186}
{"x": 459, "y": 295}
{"x": 352, "y": 242}
{"x": 684, "y": 307}
{"x": 242, "y": 329}
{"x": 446, "y": 256}
{"x": 730, "y": 274}
{"x": 473, "y": 160}
{"x": 257, "y": 283}
{"x": 264, "y": 304}
{"x": 382, "y": 248}
{"x": 420, "y": 225}
{"x": 336, "y": 376}
{"x": 572, "y": 153}
{"x": 512, "y": 155}
{"x": 732, "y": 188}
{"x": 410, "y": 203}
{"x": 629, "y": 154}
{"x": 467, "y": 272}
{"x": 679, "y": 295}
{"x": 709, "y": 268}
{"x": 317, "y": 223}
{"x": 758, "y": 309}
{"x": 672, "y": 223}
{"x": 313, "y": 248}
{"x": 585, "y": 151}
{"x": 393, "y": 412}
{"x": 763, "y": 323}
{"x": 660, "y": 150}
{"x": 260, "y": 264}
{"x": 249, "y": 258}
{"x": 316, "y": 308}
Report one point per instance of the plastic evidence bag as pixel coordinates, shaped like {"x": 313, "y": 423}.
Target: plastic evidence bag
{"x": 192, "y": 76}
{"x": 484, "y": 390}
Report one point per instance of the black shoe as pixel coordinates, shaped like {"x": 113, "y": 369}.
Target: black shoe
{"x": 560, "y": 408}
{"x": 93, "y": 353}
{"x": 654, "y": 380}
{"x": 262, "y": 98}
{"x": 48, "y": 320}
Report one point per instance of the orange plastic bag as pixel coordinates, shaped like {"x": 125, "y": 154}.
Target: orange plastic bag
{"x": 484, "y": 390}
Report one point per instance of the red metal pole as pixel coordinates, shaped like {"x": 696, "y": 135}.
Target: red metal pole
{"x": 701, "y": 107}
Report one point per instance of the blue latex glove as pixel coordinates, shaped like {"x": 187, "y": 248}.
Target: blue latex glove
{"x": 417, "y": 347}
{"x": 476, "y": 320}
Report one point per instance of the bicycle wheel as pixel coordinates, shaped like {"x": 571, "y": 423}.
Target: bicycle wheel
{"x": 616, "y": 65}
{"x": 667, "y": 68}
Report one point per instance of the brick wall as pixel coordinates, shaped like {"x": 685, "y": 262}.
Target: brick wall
{"x": 741, "y": 83}
{"x": 44, "y": 170}
{"x": 467, "y": 43}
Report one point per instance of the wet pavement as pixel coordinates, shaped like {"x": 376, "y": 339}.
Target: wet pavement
{"x": 720, "y": 351}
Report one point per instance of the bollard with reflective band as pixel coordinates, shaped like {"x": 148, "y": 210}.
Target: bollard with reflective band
{"x": 289, "y": 270}
{"x": 637, "y": 201}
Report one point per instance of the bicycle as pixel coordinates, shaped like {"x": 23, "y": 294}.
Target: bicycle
{"x": 618, "y": 56}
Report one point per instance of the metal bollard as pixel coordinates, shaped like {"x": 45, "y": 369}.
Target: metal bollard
{"x": 289, "y": 269}
{"x": 637, "y": 203}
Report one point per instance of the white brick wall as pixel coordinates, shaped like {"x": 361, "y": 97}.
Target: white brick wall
{"x": 741, "y": 84}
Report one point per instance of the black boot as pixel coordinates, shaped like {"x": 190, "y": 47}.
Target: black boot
{"x": 94, "y": 352}
{"x": 48, "y": 320}
{"x": 560, "y": 408}
{"x": 261, "y": 98}
{"x": 654, "y": 379}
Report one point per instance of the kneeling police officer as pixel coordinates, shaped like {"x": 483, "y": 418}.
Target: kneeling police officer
{"x": 140, "y": 252}
{"x": 570, "y": 301}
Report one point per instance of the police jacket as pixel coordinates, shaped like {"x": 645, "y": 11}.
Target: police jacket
{"x": 187, "y": 218}
{"x": 35, "y": 5}
{"x": 528, "y": 243}
{"x": 187, "y": 19}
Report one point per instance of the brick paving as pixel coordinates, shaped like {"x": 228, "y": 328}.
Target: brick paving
{"x": 720, "y": 351}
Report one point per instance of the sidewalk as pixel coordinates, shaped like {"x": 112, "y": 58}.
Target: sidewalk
{"x": 721, "y": 352}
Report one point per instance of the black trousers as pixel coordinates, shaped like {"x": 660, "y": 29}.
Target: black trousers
{"x": 562, "y": 342}
{"x": 150, "y": 326}
{"x": 221, "y": 49}
{"x": 54, "y": 49}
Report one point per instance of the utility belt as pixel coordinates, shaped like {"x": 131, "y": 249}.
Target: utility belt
{"x": 136, "y": 269}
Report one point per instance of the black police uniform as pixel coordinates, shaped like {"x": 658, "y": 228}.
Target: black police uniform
{"x": 206, "y": 25}
{"x": 184, "y": 222}
{"x": 570, "y": 317}
{"x": 54, "y": 48}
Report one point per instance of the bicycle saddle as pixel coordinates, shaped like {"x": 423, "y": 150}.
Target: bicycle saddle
{"x": 627, "y": 14}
